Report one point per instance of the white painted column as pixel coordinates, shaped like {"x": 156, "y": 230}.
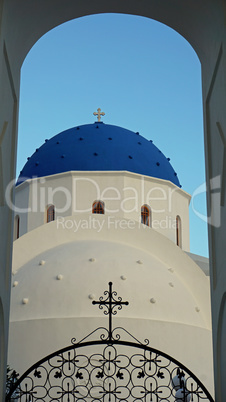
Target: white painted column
{"x": 8, "y": 141}
{"x": 214, "y": 99}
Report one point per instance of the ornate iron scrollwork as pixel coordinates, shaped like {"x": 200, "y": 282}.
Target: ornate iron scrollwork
{"x": 109, "y": 369}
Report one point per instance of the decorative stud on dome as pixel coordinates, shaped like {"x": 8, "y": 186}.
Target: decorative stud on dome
{"x": 99, "y": 114}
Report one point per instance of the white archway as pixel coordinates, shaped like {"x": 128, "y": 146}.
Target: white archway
{"x": 203, "y": 25}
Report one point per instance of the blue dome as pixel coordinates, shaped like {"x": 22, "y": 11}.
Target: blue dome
{"x": 96, "y": 147}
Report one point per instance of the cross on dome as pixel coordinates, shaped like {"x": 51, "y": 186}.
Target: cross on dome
{"x": 99, "y": 114}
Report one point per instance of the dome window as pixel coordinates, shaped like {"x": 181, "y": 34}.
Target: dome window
{"x": 178, "y": 231}
{"x": 98, "y": 207}
{"x": 146, "y": 215}
{"x": 16, "y": 227}
{"x": 50, "y": 214}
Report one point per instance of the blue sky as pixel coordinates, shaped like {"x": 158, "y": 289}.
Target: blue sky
{"x": 142, "y": 74}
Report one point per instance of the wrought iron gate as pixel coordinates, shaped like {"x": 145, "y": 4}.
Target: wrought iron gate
{"x": 109, "y": 369}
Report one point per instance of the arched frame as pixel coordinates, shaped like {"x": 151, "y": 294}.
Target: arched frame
{"x": 178, "y": 231}
{"x": 201, "y": 23}
{"x": 16, "y": 229}
{"x": 98, "y": 207}
{"x": 50, "y": 213}
{"x": 146, "y": 217}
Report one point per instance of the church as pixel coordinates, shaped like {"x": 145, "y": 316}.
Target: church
{"x": 96, "y": 204}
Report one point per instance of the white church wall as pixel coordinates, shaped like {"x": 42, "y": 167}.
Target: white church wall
{"x": 202, "y": 262}
{"x": 96, "y": 227}
{"x": 22, "y": 202}
{"x": 123, "y": 194}
{"x": 59, "y": 270}
{"x": 165, "y": 200}
{"x": 47, "y": 191}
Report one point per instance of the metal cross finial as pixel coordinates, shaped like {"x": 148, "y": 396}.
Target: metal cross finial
{"x": 99, "y": 114}
{"x": 110, "y": 303}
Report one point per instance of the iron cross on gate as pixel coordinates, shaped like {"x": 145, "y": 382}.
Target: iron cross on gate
{"x": 110, "y": 303}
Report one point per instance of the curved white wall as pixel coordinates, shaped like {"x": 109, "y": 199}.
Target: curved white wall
{"x": 58, "y": 271}
{"x": 123, "y": 193}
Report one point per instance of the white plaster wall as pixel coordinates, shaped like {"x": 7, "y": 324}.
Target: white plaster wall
{"x": 202, "y": 262}
{"x": 178, "y": 322}
{"x": 166, "y": 202}
{"x": 122, "y": 192}
{"x": 22, "y": 206}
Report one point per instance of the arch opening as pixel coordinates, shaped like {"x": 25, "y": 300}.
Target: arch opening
{"x": 50, "y": 213}
{"x": 118, "y": 76}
